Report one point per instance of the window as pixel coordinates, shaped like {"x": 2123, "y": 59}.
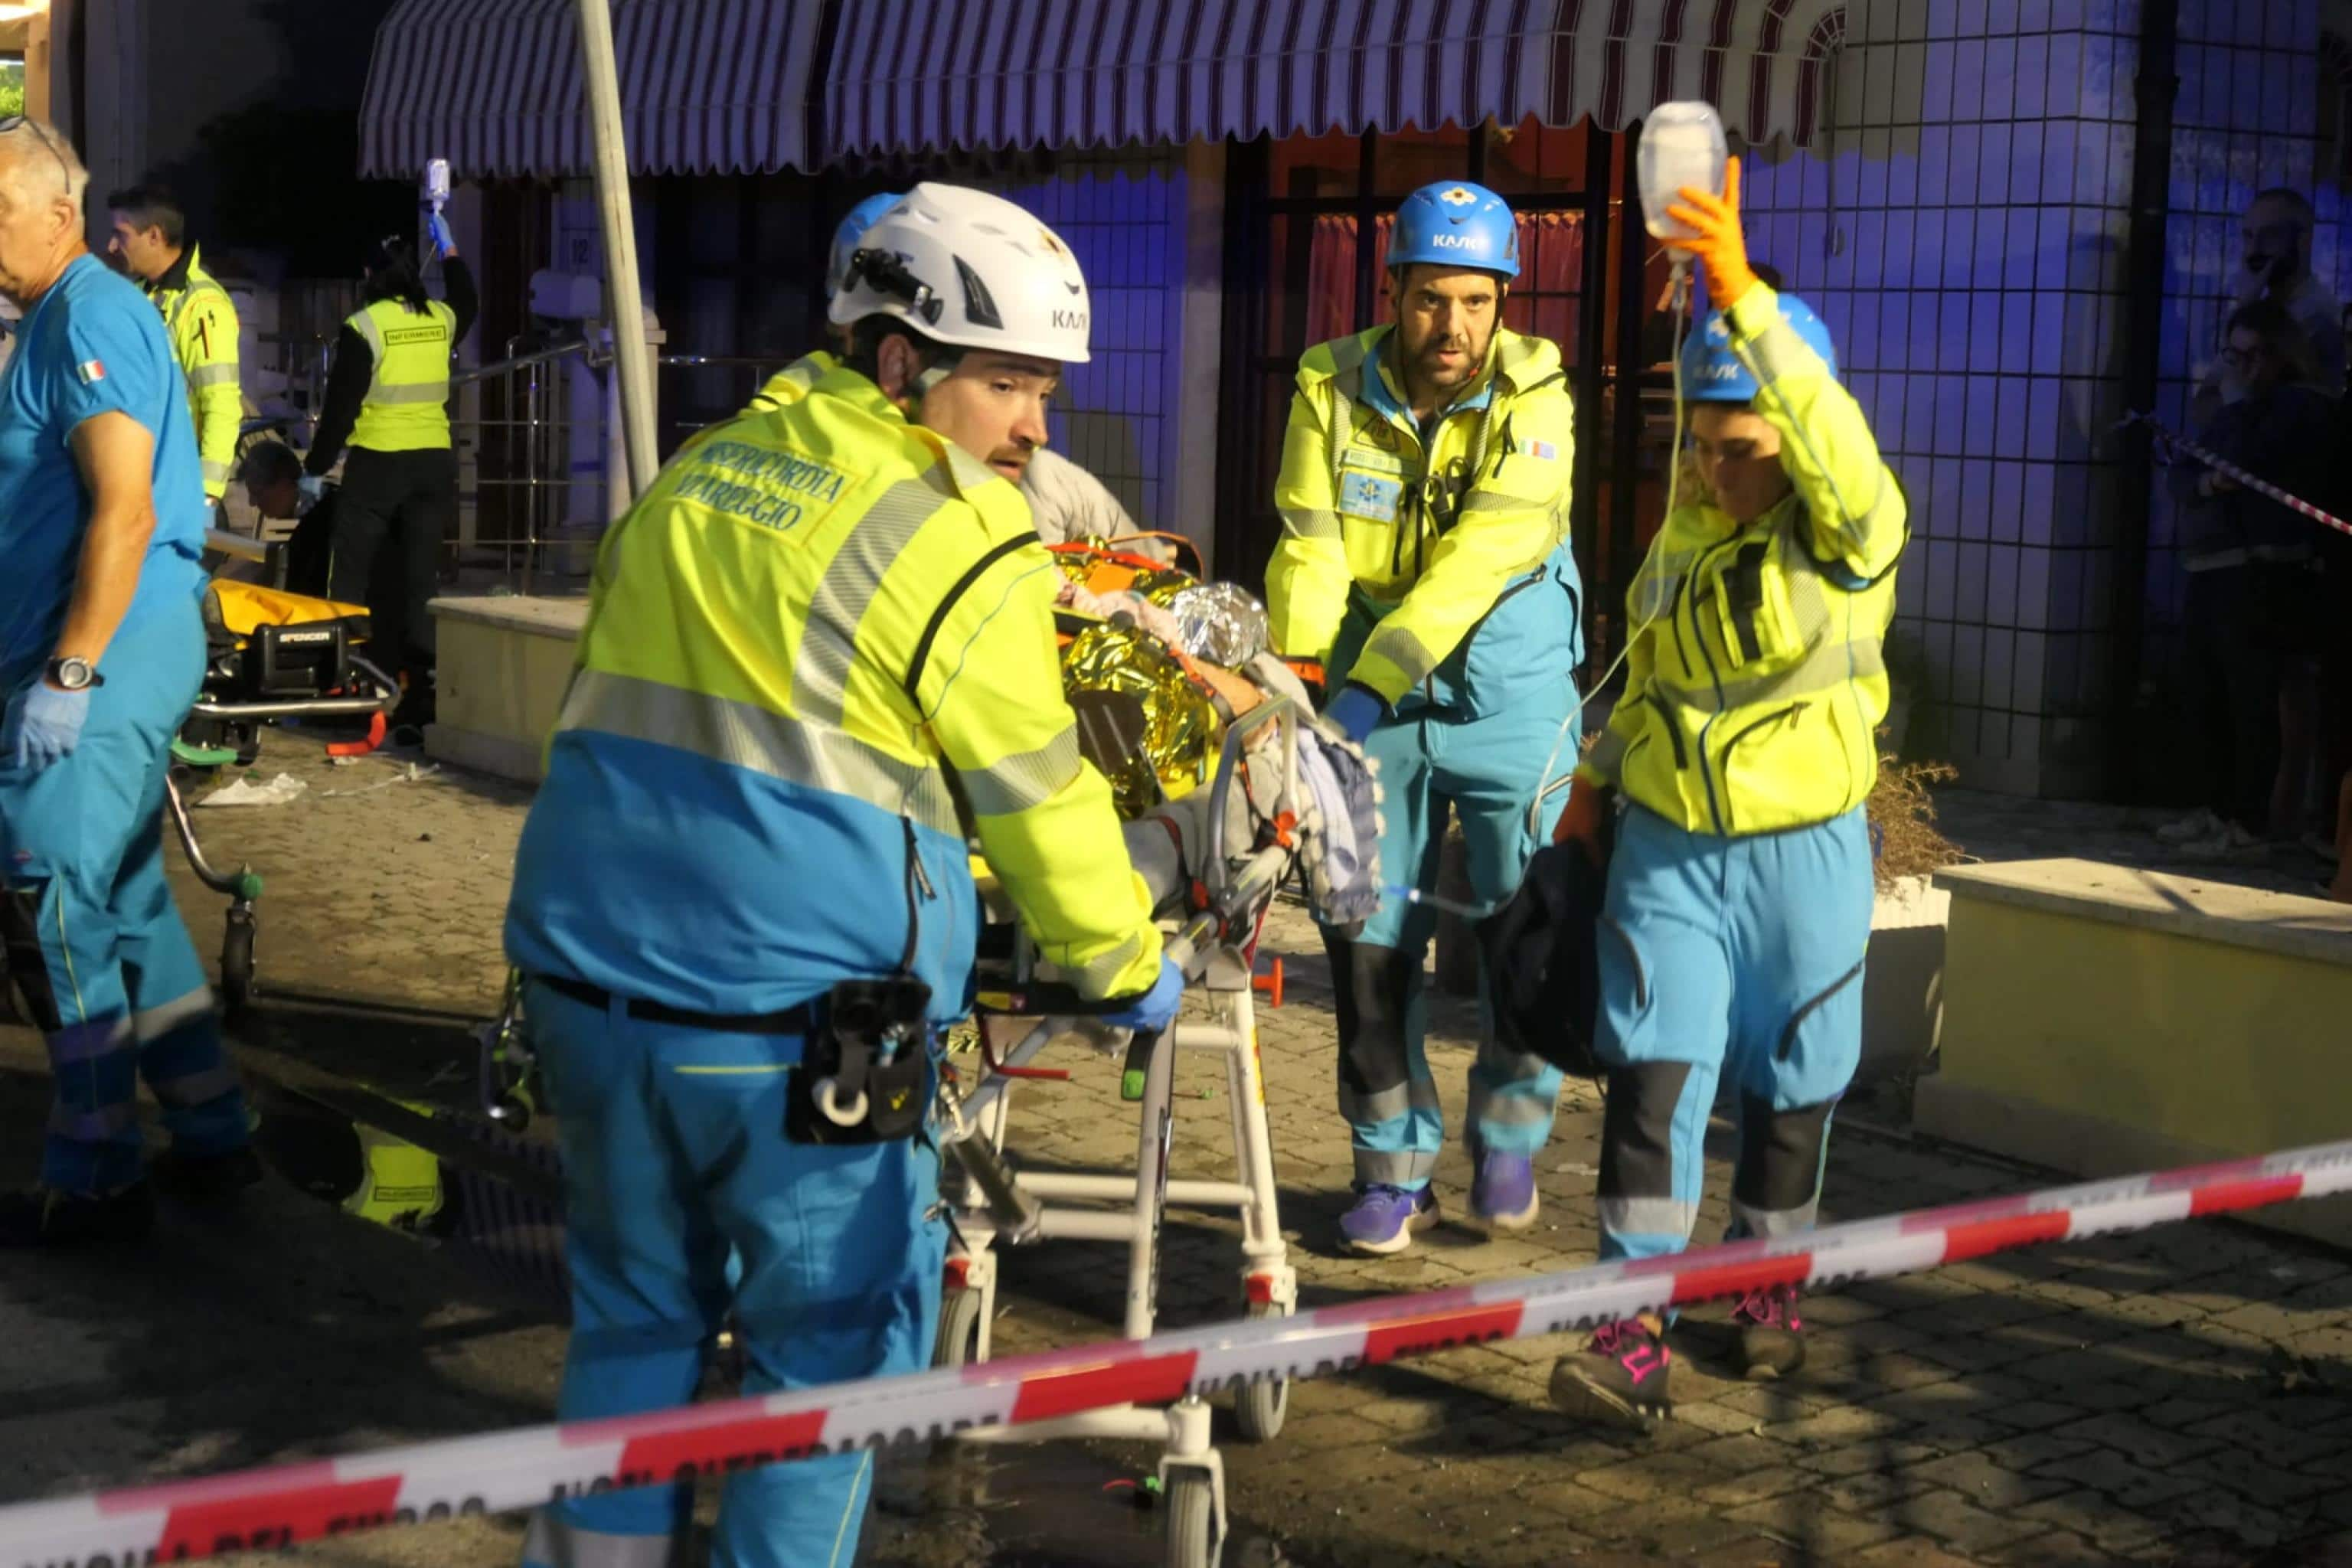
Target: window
{"x": 2335, "y": 109}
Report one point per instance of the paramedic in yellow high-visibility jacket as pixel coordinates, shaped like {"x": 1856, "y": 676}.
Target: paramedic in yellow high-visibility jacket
{"x": 1739, "y": 889}
{"x": 151, "y": 238}
{"x": 819, "y": 655}
{"x": 1424, "y": 564}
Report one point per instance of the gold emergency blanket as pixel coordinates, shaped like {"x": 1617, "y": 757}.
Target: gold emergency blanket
{"x": 1181, "y": 729}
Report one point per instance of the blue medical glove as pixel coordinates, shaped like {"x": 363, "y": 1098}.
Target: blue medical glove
{"x": 312, "y": 489}
{"x": 1355, "y": 710}
{"x": 443, "y": 242}
{"x": 42, "y": 725}
{"x": 1156, "y": 1008}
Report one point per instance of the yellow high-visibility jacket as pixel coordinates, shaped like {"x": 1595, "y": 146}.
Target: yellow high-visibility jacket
{"x": 1430, "y": 566}
{"x": 791, "y": 383}
{"x": 819, "y": 652}
{"x": 1757, "y": 677}
{"x": 407, "y": 404}
{"x": 201, "y": 320}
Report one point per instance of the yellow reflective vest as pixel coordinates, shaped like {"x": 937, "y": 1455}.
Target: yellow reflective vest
{"x": 201, "y": 320}
{"x": 408, "y": 403}
{"x": 1428, "y": 565}
{"x": 819, "y": 655}
{"x": 791, "y": 383}
{"x": 1757, "y": 680}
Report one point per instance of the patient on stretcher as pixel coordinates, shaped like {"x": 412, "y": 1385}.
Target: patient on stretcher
{"x": 1159, "y": 666}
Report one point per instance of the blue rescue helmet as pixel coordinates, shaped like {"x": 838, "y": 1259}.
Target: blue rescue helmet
{"x": 862, "y": 216}
{"x": 1455, "y": 224}
{"x": 1711, "y": 372}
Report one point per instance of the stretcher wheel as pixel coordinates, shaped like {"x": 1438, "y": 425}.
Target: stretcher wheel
{"x": 1191, "y": 1506}
{"x": 1259, "y": 1407}
{"x": 957, "y": 1342}
{"x": 236, "y": 963}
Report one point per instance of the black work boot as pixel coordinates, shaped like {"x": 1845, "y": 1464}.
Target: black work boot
{"x": 44, "y": 1216}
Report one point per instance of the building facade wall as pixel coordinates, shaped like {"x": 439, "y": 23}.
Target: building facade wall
{"x": 1964, "y": 221}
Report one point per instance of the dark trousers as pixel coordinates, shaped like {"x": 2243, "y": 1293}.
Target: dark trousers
{"x": 391, "y": 516}
{"x": 2243, "y": 627}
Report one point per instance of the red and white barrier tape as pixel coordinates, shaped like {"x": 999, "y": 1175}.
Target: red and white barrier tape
{"x": 2221, "y": 465}
{"x": 493, "y": 1472}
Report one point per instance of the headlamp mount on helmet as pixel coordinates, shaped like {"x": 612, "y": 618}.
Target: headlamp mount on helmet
{"x": 887, "y": 271}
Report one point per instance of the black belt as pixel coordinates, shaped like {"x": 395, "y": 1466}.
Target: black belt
{"x": 795, "y": 1020}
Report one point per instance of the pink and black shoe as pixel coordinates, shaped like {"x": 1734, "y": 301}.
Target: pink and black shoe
{"x": 1620, "y": 1376}
{"x": 1771, "y": 1333}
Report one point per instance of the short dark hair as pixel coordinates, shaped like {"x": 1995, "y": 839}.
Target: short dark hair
{"x": 269, "y": 463}
{"x": 394, "y": 271}
{"x": 1766, "y": 274}
{"x": 2282, "y": 336}
{"x": 152, "y": 207}
{"x": 2287, "y": 196}
{"x": 865, "y": 352}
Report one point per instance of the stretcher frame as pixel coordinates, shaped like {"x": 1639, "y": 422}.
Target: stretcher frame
{"x": 241, "y": 928}
{"x": 991, "y": 1205}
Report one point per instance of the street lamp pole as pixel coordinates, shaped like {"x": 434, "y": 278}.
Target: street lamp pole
{"x": 629, "y": 351}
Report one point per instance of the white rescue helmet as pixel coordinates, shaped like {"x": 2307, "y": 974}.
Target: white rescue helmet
{"x": 970, "y": 270}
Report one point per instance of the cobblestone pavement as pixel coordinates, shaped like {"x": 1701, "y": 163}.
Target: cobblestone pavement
{"x": 2181, "y": 1396}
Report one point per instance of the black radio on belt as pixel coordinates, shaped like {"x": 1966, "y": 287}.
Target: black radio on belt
{"x": 864, "y": 1075}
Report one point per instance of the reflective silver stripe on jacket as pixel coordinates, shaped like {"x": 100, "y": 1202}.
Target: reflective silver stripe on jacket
{"x": 742, "y": 735}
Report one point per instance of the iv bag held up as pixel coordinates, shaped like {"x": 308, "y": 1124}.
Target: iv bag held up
{"x": 1682, "y": 144}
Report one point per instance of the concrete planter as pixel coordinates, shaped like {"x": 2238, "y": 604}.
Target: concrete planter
{"x": 1903, "y": 989}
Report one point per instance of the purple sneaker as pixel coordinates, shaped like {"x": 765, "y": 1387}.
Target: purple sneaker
{"x": 1502, "y": 1193}
{"x": 1772, "y": 1334}
{"x": 1385, "y": 1217}
{"x": 1620, "y": 1376}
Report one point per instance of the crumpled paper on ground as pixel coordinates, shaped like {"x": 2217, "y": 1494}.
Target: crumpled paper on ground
{"x": 283, "y": 790}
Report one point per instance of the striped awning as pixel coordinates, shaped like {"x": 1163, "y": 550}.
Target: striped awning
{"x": 497, "y": 88}
{"x": 912, "y": 76}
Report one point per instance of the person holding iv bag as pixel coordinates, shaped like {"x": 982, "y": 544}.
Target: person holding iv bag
{"x": 1740, "y": 888}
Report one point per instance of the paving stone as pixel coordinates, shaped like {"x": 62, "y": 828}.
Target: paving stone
{"x": 1640, "y": 1480}
{"x": 1755, "y": 1486}
{"x": 1986, "y": 1483}
{"x": 2052, "y": 1548}
{"x": 2031, "y": 1414}
{"x": 1835, "y": 1426}
{"x": 2260, "y": 1478}
{"x": 1911, "y": 1551}
{"x": 1870, "y": 1494}
{"x": 2106, "y": 1471}
{"x": 2106, "y": 1519}
{"x": 2027, "y": 1451}
{"x": 1866, "y": 1458}
{"x": 1797, "y": 1520}
{"x": 1710, "y": 1416}
{"x": 1961, "y": 1524}
{"x": 2130, "y": 1436}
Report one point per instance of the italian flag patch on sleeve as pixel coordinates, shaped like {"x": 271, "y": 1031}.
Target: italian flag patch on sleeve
{"x": 91, "y": 371}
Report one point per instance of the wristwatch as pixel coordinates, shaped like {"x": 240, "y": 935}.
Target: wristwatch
{"x": 74, "y": 674}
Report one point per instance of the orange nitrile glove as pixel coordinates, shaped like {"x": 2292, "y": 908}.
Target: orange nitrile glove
{"x": 1721, "y": 244}
{"x": 1582, "y": 819}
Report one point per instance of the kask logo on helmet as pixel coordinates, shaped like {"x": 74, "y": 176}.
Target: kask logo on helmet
{"x": 1458, "y": 241}
{"x": 1069, "y": 320}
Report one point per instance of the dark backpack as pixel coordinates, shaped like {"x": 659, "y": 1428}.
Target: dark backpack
{"x": 1543, "y": 960}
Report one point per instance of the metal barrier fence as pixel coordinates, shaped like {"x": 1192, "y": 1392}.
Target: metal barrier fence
{"x": 532, "y": 433}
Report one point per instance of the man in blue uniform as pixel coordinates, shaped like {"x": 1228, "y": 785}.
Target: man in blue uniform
{"x": 101, "y": 650}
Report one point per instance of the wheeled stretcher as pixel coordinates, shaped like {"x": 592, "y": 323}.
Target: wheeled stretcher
{"x": 1214, "y": 902}
{"x": 268, "y": 655}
